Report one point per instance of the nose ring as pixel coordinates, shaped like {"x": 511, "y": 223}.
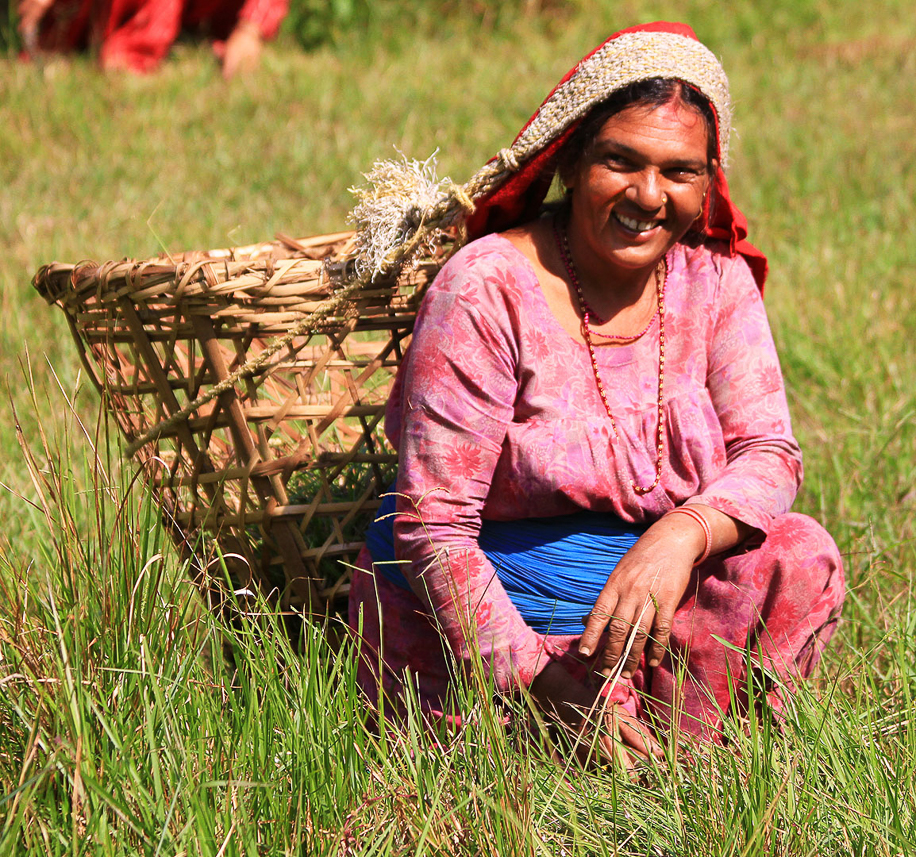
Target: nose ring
{"x": 664, "y": 198}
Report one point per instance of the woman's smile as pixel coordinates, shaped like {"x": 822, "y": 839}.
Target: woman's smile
{"x": 634, "y": 225}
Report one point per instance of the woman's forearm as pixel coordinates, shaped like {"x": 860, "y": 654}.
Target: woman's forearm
{"x": 724, "y": 532}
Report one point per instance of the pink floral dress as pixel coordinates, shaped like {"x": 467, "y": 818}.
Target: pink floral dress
{"x": 496, "y": 415}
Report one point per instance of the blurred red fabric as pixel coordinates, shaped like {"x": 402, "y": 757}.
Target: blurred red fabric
{"x": 137, "y": 34}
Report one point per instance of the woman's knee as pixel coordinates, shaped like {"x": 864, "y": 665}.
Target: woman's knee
{"x": 795, "y": 529}
{"x": 807, "y": 555}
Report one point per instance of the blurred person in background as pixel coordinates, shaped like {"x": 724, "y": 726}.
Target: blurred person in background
{"x": 136, "y": 35}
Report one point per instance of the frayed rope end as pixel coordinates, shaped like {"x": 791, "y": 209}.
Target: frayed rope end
{"x": 391, "y": 213}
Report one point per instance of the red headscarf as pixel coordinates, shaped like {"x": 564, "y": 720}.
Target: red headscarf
{"x": 519, "y": 197}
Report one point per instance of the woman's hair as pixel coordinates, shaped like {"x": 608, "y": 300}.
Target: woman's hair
{"x": 654, "y": 92}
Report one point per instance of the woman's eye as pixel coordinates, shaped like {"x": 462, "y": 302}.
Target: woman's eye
{"x": 684, "y": 175}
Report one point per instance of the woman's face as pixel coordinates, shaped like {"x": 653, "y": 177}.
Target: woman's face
{"x": 638, "y": 189}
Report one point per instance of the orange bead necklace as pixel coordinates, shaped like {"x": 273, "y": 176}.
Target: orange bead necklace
{"x": 661, "y": 279}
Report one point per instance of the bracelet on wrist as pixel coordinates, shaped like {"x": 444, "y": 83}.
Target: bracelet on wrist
{"x": 701, "y": 520}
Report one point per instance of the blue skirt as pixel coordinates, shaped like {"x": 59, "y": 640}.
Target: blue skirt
{"x": 553, "y": 569}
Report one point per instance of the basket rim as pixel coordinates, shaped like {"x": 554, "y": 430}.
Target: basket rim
{"x": 55, "y": 280}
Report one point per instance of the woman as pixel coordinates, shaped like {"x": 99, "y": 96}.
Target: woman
{"x": 136, "y": 35}
{"x": 592, "y": 429}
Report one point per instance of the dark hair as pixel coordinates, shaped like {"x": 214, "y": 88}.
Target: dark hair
{"x": 654, "y": 92}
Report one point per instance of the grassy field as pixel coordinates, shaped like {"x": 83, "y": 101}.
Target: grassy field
{"x": 121, "y": 732}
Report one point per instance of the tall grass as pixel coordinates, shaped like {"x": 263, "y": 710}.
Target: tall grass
{"x": 124, "y": 729}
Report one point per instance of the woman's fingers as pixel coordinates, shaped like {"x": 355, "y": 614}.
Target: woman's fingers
{"x": 625, "y": 741}
{"x": 661, "y": 636}
{"x": 242, "y": 50}
{"x": 628, "y": 627}
{"x": 596, "y": 622}
{"x": 637, "y": 737}
{"x": 613, "y": 751}
{"x": 627, "y": 636}
{"x": 637, "y": 608}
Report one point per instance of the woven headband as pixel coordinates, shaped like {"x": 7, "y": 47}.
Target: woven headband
{"x": 619, "y": 62}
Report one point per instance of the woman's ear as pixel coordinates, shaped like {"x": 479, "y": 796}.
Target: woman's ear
{"x": 713, "y": 171}
{"x": 710, "y": 183}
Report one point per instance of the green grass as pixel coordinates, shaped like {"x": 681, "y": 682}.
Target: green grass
{"x": 123, "y": 729}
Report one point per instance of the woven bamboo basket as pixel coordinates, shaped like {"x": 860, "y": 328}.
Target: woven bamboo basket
{"x": 250, "y": 386}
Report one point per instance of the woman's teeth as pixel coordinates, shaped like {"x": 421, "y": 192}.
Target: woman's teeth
{"x": 637, "y": 225}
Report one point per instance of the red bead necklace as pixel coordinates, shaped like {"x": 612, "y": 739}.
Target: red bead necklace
{"x": 619, "y": 338}
{"x": 661, "y": 279}
{"x": 622, "y": 338}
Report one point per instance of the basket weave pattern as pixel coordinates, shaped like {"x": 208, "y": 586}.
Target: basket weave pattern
{"x": 283, "y": 468}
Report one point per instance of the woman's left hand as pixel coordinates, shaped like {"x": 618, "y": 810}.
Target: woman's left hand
{"x": 643, "y": 593}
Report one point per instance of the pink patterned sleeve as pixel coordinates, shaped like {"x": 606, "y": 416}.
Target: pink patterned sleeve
{"x": 764, "y": 465}
{"x": 457, "y": 393}
{"x": 266, "y": 14}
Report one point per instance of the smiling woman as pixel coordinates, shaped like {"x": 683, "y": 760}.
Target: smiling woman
{"x": 591, "y": 422}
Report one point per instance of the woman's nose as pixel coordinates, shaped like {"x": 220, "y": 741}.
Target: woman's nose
{"x": 645, "y": 190}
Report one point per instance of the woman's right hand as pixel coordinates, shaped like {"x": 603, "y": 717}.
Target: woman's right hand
{"x": 599, "y": 729}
